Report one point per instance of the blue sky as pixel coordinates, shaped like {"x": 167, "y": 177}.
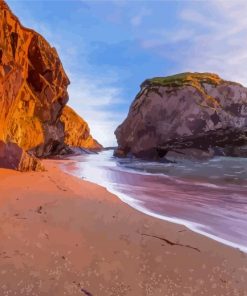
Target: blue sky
{"x": 109, "y": 47}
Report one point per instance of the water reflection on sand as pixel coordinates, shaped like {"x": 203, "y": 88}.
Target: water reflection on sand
{"x": 209, "y": 197}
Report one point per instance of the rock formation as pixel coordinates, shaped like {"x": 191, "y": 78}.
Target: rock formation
{"x": 190, "y": 114}
{"x": 13, "y": 157}
{"x": 33, "y": 90}
{"x": 77, "y": 132}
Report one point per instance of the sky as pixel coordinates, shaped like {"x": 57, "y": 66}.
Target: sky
{"x": 108, "y": 48}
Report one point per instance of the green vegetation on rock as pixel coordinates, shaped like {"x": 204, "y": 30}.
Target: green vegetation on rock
{"x": 186, "y": 78}
{"x": 195, "y": 80}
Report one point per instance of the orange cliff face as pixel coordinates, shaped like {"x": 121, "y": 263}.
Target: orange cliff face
{"x": 33, "y": 90}
{"x": 77, "y": 132}
{"x": 33, "y": 87}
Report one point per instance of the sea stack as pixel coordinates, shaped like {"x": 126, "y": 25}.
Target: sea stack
{"x": 188, "y": 115}
{"x": 33, "y": 93}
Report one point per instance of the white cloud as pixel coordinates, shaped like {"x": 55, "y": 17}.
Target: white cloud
{"x": 92, "y": 98}
{"x": 211, "y": 37}
{"x": 138, "y": 18}
{"x": 222, "y": 46}
{"x": 96, "y": 102}
{"x": 161, "y": 37}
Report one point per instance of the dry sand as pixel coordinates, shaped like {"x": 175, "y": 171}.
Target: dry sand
{"x": 60, "y": 235}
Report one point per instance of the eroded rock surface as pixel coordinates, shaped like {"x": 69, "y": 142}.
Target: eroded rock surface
{"x": 33, "y": 89}
{"x": 189, "y": 114}
{"x": 77, "y": 132}
{"x": 13, "y": 157}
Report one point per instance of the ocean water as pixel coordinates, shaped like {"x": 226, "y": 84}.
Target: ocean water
{"x": 208, "y": 197}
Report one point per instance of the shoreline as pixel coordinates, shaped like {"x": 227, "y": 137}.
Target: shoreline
{"x": 64, "y": 236}
{"x": 190, "y": 225}
{"x": 137, "y": 204}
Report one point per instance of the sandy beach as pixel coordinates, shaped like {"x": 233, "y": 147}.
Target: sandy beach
{"x": 63, "y": 236}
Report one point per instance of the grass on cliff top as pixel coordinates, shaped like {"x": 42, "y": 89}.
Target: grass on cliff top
{"x": 186, "y": 78}
{"x": 196, "y": 80}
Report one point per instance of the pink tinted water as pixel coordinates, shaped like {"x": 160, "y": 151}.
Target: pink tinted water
{"x": 210, "y": 197}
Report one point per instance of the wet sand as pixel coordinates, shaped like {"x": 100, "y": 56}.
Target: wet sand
{"x": 64, "y": 236}
{"x": 198, "y": 196}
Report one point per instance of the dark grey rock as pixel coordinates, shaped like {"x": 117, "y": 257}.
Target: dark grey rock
{"x": 187, "y": 112}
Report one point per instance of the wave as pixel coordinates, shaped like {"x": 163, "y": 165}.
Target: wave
{"x": 203, "y": 197}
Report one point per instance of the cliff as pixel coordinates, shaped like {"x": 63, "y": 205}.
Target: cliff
{"x": 77, "y": 132}
{"x": 192, "y": 115}
{"x": 13, "y": 157}
{"x": 33, "y": 89}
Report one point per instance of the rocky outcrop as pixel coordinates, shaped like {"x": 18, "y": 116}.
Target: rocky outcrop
{"x": 33, "y": 89}
{"x": 13, "y": 157}
{"x": 194, "y": 115}
{"x": 77, "y": 132}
